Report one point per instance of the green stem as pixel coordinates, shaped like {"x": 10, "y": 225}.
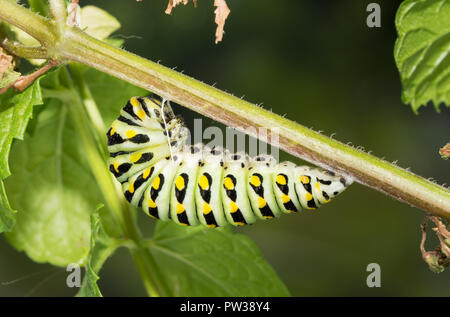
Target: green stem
{"x": 35, "y": 25}
{"x": 90, "y": 106}
{"x": 24, "y": 51}
{"x": 232, "y": 111}
{"x": 145, "y": 263}
{"x": 76, "y": 93}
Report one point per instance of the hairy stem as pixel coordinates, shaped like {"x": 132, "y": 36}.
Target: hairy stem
{"x": 232, "y": 111}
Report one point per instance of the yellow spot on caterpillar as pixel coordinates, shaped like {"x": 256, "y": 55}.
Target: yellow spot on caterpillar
{"x": 212, "y": 226}
{"x": 151, "y": 203}
{"x": 228, "y": 182}
{"x": 146, "y": 173}
{"x": 180, "y": 208}
{"x": 131, "y": 188}
{"x": 304, "y": 179}
{"x": 183, "y": 224}
{"x": 116, "y": 167}
{"x": 240, "y": 223}
{"x": 281, "y": 179}
{"x": 318, "y": 186}
{"x": 203, "y": 182}
{"x": 112, "y": 131}
{"x": 285, "y": 198}
{"x": 206, "y": 208}
{"x": 261, "y": 202}
{"x": 255, "y": 181}
{"x": 134, "y": 102}
{"x": 130, "y": 133}
{"x": 268, "y": 217}
{"x": 135, "y": 157}
{"x": 141, "y": 114}
{"x": 233, "y": 207}
{"x": 308, "y": 196}
{"x": 179, "y": 182}
{"x": 156, "y": 182}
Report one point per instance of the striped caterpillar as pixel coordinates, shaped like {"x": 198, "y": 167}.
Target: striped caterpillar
{"x": 193, "y": 185}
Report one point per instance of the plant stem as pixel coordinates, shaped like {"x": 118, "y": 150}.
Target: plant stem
{"x": 147, "y": 268}
{"x": 35, "y": 25}
{"x": 232, "y": 111}
{"x": 293, "y": 137}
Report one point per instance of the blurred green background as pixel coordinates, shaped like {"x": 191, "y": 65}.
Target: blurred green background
{"x": 318, "y": 63}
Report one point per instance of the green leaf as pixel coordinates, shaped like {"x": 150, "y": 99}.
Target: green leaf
{"x": 97, "y": 22}
{"x": 50, "y": 169}
{"x": 9, "y": 77}
{"x": 102, "y": 247}
{"x": 15, "y": 112}
{"x": 40, "y": 6}
{"x": 212, "y": 262}
{"x": 48, "y": 188}
{"x": 422, "y": 51}
{"x": 7, "y": 217}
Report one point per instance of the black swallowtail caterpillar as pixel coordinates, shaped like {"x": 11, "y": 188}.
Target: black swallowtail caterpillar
{"x": 195, "y": 184}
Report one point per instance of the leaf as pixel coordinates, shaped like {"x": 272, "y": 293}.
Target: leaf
{"x": 97, "y": 22}
{"x": 173, "y": 3}
{"x": 51, "y": 171}
{"x": 101, "y": 248}
{"x": 445, "y": 151}
{"x": 15, "y": 111}
{"x": 212, "y": 262}
{"x": 7, "y": 74}
{"x": 222, "y": 11}
{"x": 48, "y": 188}
{"x": 9, "y": 77}
{"x": 40, "y": 6}
{"x": 7, "y": 217}
{"x": 422, "y": 51}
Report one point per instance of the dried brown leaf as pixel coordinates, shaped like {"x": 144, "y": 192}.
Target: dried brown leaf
{"x": 173, "y": 3}
{"x": 445, "y": 151}
{"x": 6, "y": 62}
{"x": 222, "y": 11}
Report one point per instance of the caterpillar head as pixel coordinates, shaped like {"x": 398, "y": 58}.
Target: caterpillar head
{"x": 331, "y": 182}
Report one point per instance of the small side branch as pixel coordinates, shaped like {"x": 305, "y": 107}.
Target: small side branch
{"x": 24, "y": 81}
{"x": 17, "y": 49}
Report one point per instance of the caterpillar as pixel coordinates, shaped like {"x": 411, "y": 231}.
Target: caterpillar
{"x": 197, "y": 185}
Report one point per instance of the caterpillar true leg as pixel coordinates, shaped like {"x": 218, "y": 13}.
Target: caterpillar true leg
{"x": 194, "y": 185}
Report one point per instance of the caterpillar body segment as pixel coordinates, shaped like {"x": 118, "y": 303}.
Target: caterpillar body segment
{"x": 197, "y": 185}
